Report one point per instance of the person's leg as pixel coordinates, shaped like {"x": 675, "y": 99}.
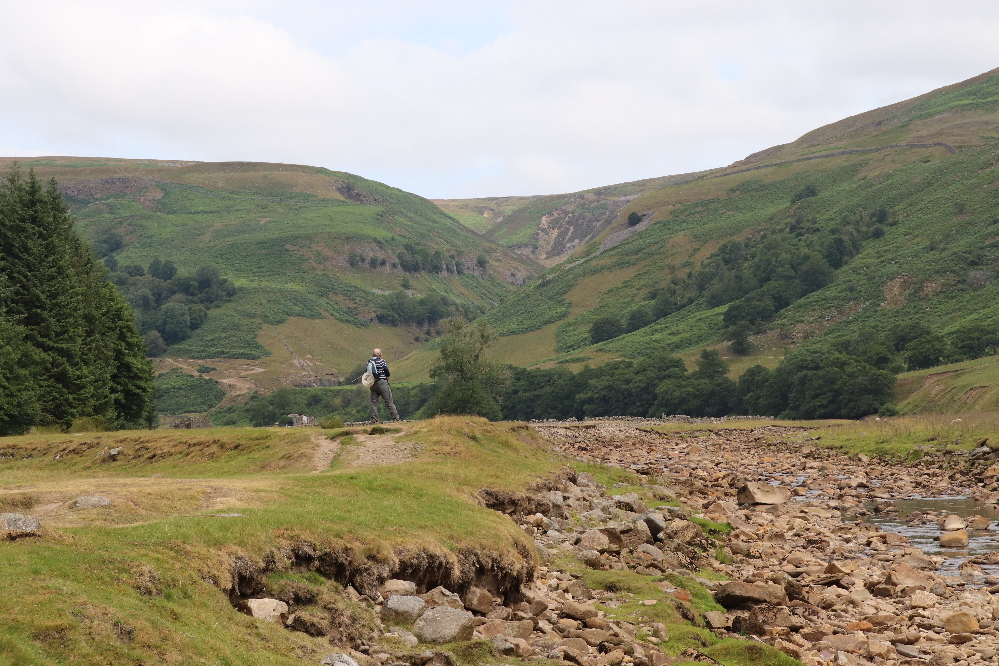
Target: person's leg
{"x": 374, "y": 401}
{"x": 387, "y": 394}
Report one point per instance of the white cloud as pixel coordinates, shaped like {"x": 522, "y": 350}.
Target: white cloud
{"x": 450, "y": 98}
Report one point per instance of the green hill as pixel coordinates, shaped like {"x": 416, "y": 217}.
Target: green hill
{"x": 315, "y": 257}
{"x": 886, "y": 219}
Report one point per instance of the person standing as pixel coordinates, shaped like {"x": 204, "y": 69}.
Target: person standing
{"x": 380, "y": 371}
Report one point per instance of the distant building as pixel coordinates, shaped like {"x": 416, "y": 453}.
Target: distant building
{"x": 302, "y": 420}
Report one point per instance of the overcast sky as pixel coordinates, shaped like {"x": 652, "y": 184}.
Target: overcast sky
{"x": 451, "y": 98}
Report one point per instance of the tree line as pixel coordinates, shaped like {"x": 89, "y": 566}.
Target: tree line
{"x": 69, "y": 347}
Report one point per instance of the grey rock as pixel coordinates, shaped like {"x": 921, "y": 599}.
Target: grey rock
{"x": 443, "y": 624}
{"x": 907, "y": 651}
{"x": 651, "y": 550}
{"x": 338, "y": 658}
{"x": 94, "y": 502}
{"x": 586, "y": 480}
{"x": 590, "y": 558}
{"x": 401, "y": 608}
{"x": 502, "y": 645}
{"x": 18, "y": 524}
{"x": 655, "y": 522}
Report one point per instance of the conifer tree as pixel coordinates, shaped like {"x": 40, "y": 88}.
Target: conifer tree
{"x": 62, "y": 324}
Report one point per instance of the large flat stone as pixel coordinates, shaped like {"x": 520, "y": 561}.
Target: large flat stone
{"x": 955, "y": 539}
{"x": 16, "y": 524}
{"x": 736, "y": 594}
{"x": 961, "y": 622}
{"x": 762, "y": 493}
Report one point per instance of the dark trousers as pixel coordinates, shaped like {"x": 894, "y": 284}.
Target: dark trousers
{"x": 382, "y": 388}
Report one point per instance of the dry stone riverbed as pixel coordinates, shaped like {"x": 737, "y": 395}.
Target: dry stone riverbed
{"x": 833, "y": 559}
{"x": 851, "y": 564}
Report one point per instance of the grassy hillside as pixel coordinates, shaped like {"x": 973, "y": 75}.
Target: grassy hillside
{"x": 312, "y": 253}
{"x": 910, "y": 188}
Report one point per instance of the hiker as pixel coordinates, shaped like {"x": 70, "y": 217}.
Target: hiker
{"x": 380, "y": 371}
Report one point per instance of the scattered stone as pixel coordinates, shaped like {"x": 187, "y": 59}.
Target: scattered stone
{"x": 443, "y": 624}
{"x": 338, "y": 658}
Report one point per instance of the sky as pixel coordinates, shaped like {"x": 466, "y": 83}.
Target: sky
{"x": 449, "y": 98}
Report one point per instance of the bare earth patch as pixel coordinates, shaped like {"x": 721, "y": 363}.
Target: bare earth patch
{"x": 375, "y": 450}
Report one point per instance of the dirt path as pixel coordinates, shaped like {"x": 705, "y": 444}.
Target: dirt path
{"x": 364, "y": 451}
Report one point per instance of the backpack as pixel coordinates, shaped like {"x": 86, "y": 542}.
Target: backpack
{"x": 368, "y": 378}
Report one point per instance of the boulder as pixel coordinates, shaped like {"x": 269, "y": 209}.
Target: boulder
{"x": 396, "y": 586}
{"x": 630, "y": 502}
{"x": 443, "y": 624}
{"x": 956, "y": 539}
{"x": 16, "y": 524}
{"x": 590, "y": 558}
{"x": 578, "y": 611}
{"x": 594, "y": 540}
{"x": 735, "y": 594}
{"x": 954, "y": 522}
{"x": 923, "y": 599}
{"x": 762, "y": 493}
{"x": 406, "y": 637}
{"x": 717, "y": 620}
{"x": 401, "y": 608}
{"x": 904, "y": 575}
{"x": 270, "y": 610}
{"x": 516, "y": 629}
{"x": 586, "y": 480}
{"x": 655, "y": 521}
{"x": 440, "y": 596}
{"x": 653, "y": 552}
{"x": 502, "y": 645}
{"x": 961, "y": 622}
{"x": 95, "y": 502}
{"x": 683, "y": 531}
{"x": 478, "y": 599}
{"x": 979, "y": 523}
{"x": 637, "y": 535}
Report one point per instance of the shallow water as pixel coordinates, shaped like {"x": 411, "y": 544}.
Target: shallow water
{"x": 925, "y": 535}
